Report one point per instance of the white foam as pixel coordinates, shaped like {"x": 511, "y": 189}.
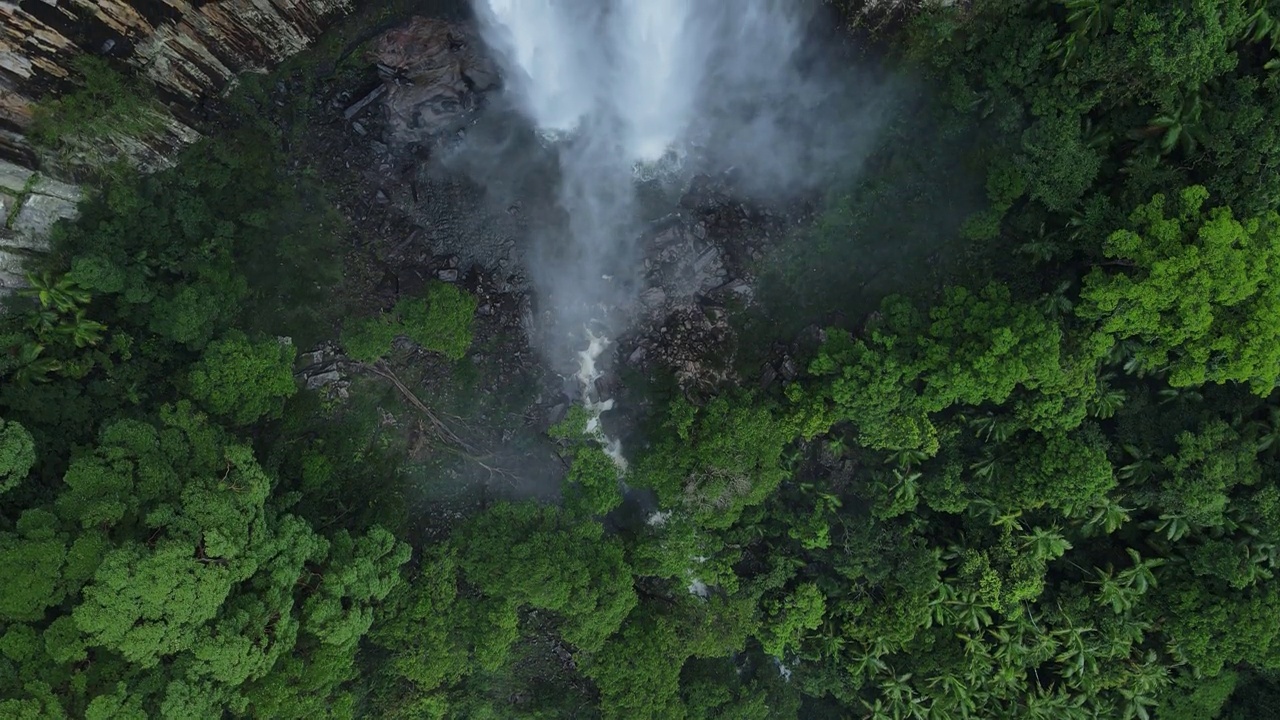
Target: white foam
{"x": 588, "y": 373}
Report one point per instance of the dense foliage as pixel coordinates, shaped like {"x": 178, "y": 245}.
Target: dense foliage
{"x": 160, "y": 556}
{"x": 1048, "y": 488}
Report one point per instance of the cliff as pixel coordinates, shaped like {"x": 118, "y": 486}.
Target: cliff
{"x": 188, "y": 49}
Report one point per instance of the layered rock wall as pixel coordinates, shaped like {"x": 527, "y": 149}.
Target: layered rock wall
{"x": 189, "y": 49}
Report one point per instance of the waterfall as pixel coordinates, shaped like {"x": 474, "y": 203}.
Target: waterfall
{"x": 643, "y": 65}
{"x": 618, "y": 86}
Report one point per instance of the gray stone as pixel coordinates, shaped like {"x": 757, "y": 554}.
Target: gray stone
{"x": 319, "y": 380}
{"x": 37, "y": 216}
{"x": 13, "y": 178}
{"x": 767, "y": 377}
{"x": 12, "y": 274}
{"x": 653, "y": 298}
{"x": 788, "y": 369}
{"x": 448, "y": 275}
{"x": 48, "y": 186}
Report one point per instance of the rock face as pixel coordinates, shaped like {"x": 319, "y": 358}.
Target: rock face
{"x": 30, "y": 204}
{"x": 434, "y": 75}
{"x": 189, "y": 49}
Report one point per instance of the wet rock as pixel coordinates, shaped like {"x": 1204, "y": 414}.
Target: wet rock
{"x": 48, "y": 186}
{"x": 604, "y": 389}
{"x": 741, "y": 288}
{"x": 433, "y": 74}
{"x": 653, "y": 298}
{"x": 788, "y": 369}
{"x": 448, "y": 275}
{"x": 557, "y": 413}
{"x": 768, "y": 376}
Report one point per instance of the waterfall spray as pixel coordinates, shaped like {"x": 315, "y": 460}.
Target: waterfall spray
{"x": 620, "y": 86}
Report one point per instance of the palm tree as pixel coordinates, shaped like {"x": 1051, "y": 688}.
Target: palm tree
{"x": 906, "y": 458}
{"x": 968, "y": 611}
{"x": 1045, "y": 544}
{"x": 1261, "y": 25}
{"x": 1264, "y": 433}
{"x": 31, "y": 367}
{"x": 1077, "y": 658}
{"x": 993, "y": 515}
{"x": 990, "y": 426}
{"x": 1179, "y": 394}
{"x": 1043, "y": 248}
{"x": 1056, "y": 304}
{"x": 1111, "y": 592}
{"x": 1174, "y": 526}
{"x": 1179, "y": 128}
{"x": 80, "y": 330}
{"x": 951, "y": 693}
{"x": 1107, "y": 400}
{"x": 60, "y": 293}
{"x": 1142, "y": 467}
{"x": 1108, "y": 516}
{"x": 867, "y": 663}
{"x": 1140, "y": 577}
{"x": 1089, "y": 18}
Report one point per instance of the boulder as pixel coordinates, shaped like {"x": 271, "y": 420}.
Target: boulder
{"x": 434, "y": 75}
{"x": 13, "y": 179}
{"x": 36, "y": 218}
{"x": 12, "y": 275}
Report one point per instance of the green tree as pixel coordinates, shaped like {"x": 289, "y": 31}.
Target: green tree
{"x": 17, "y": 454}
{"x": 717, "y": 460}
{"x": 440, "y": 322}
{"x": 1199, "y": 295}
{"x": 543, "y": 558}
{"x": 243, "y": 380}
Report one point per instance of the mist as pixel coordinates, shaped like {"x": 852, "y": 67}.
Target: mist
{"x": 618, "y": 90}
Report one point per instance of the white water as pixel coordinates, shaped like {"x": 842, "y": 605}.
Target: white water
{"x": 553, "y": 69}
{"x": 617, "y": 87}
{"x": 642, "y": 64}
{"x": 588, "y": 374}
